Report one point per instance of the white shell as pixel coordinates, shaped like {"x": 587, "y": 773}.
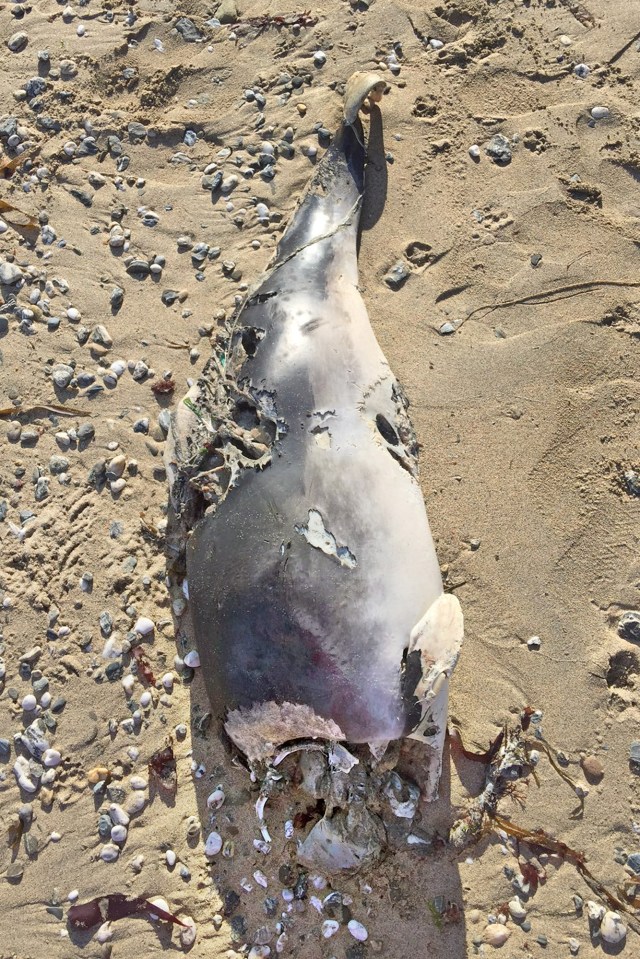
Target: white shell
{"x": 357, "y": 930}
{"x": 160, "y": 903}
{"x": 216, "y": 798}
{"x": 496, "y": 934}
{"x": 612, "y": 929}
{"x": 329, "y": 928}
{"x": 192, "y": 659}
{"x": 144, "y": 626}
{"x": 213, "y": 844}
{"x": 51, "y": 757}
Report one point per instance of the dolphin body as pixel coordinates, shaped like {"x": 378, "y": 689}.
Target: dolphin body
{"x": 315, "y": 591}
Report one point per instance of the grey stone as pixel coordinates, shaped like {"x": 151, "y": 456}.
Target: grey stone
{"x": 117, "y": 297}
{"x": 58, "y": 464}
{"x": 397, "y": 275}
{"x": 17, "y": 41}
{"x": 499, "y": 149}
{"x": 62, "y": 375}
{"x": 102, "y": 336}
{"x": 15, "y": 871}
{"x": 31, "y": 844}
{"x": 10, "y": 274}
{"x": 82, "y": 197}
{"x": 137, "y": 131}
{"x": 632, "y": 482}
{"x": 86, "y": 432}
{"x": 227, "y": 11}
{"x": 139, "y": 268}
{"x": 42, "y": 489}
{"x": 34, "y": 87}
{"x": 629, "y": 626}
{"x": 31, "y": 656}
{"x": 104, "y": 826}
{"x": 49, "y": 124}
{"x": 8, "y": 127}
{"x": 33, "y": 738}
{"x": 188, "y": 30}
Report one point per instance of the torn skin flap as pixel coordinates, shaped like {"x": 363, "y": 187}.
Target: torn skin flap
{"x": 319, "y": 537}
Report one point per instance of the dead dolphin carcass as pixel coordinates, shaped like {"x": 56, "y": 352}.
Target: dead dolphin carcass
{"x": 315, "y": 590}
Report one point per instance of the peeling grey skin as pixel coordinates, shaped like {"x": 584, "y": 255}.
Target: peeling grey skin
{"x": 315, "y": 589}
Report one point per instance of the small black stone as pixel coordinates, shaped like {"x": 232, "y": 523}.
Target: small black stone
{"x": 230, "y": 902}
{"x": 239, "y": 925}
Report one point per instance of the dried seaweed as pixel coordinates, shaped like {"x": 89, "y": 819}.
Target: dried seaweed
{"x": 49, "y": 408}
{"x": 278, "y": 21}
{"x": 162, "y": 766}
{"x": 540, "y": 841}
{"x": 14, "y": 834}
{"x": 485, "y": 757}
{"x": 144, "y": 666}
{"x": 163, "y": 386}
{"x": 9, "y": 166}
{"x": 550, "y": 296}
{"x": 115, "y": 906}
{"x": 9, "y": 208}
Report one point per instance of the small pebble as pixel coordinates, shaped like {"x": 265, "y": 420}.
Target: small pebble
{"x": 517, "y": 909}
{"x": 109, "y": 853}
{"x": 17, "y": 42}
{"x": 187, "y": 931}
{"x": 593, "y": 768}
{"x": 192, "y": 659}
{"x": 119, "y": 833}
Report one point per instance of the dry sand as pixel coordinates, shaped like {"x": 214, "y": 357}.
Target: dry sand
{"x": 527, "y": 417}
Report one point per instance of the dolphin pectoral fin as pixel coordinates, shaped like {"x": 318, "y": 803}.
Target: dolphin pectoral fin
{"x": 438, "y": 638}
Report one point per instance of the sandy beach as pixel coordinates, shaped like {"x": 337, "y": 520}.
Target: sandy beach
{"x": 509, "y": 191}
